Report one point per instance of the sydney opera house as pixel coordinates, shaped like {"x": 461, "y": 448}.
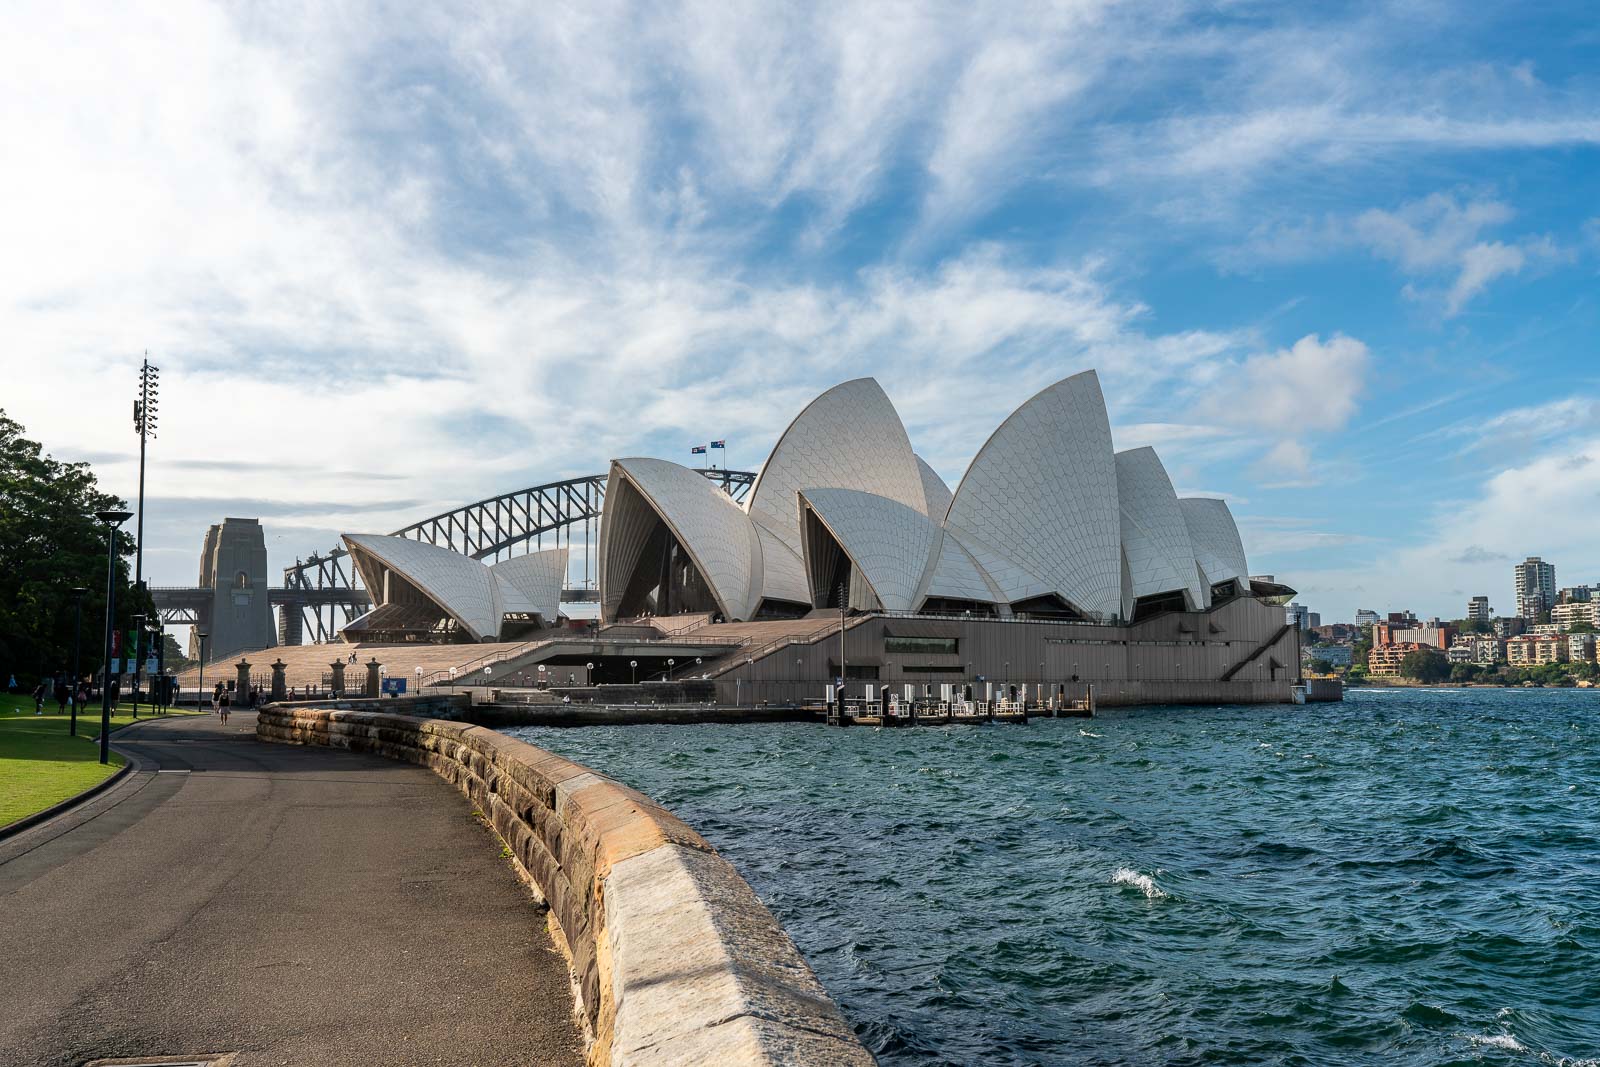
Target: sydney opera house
{"x": 1056, "y": 559}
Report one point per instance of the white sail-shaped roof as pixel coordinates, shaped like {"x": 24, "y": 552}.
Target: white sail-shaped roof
{"x": 934, "y": 491}
{"x": 1043, "y": 492}
{"x": 783, "y": 576}
{"x": 537, "y": 579}
{"x": 889, "y": 543}
{"x": 850, "y": 437}
{"x": 460, "y": 585}
{"x": 1155, "y": 536}
{"x": 714, "y": 530}
{"x": 957, "y": 576}
{"x": 1215, "y": 538}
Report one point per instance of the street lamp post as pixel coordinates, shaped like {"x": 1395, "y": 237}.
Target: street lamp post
{"x": 590, "y": 668}
{"x": 634, "y": 664}
{"x": 138, "y": 651}
{"x": 145, "y": 417}
{"x": 112, "y": 519}
{"x": 200, "y": 692}
{"x": 77, "y": 647}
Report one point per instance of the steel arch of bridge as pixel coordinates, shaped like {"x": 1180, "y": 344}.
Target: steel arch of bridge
{"x": 499, "y": 527}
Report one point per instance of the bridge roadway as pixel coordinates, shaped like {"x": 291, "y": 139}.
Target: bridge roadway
{"x": 286, "y": 904}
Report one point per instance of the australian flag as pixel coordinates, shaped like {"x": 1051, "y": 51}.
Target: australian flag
{"x": 719, "y": 444}
{"x": 698, "y": 450}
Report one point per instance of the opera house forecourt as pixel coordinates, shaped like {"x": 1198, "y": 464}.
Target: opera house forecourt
{"x": 1057, "y": 564}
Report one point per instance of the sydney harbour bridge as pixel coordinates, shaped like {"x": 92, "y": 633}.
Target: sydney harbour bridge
{"x": 319, "y": 595}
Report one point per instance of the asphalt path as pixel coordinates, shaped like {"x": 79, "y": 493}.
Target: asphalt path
{"x": 288, "y": 905}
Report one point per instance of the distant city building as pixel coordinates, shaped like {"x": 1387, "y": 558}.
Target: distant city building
{"x": 1530, "y": 650}
{"x": 1481, "y": 649}
{"x": 1366, "y": 617}
{"x": 1478, "y": 609}
{"x": 1581, "y": 648}
{"x": 1401, "y": 618}
{"x": 1337, "y": 631}
{"x": 1509, "y": 626}
{"x": 1386, "y": 659}
{"x": 1437, "y": 635}
{"x": 1536, "y": 587}
{"x": 1338, "y": 655}
{"x": 1576, "y": 594}
{"x": 1301, "y": 617}
{"x": 1577, "y": 611}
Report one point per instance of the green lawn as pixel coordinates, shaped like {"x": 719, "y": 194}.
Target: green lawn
{"x": 40, "y": 763}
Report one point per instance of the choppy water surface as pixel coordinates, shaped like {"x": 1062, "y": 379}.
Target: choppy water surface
{"x": 1412, "y": 877}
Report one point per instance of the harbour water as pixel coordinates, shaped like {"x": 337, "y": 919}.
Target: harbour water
{"x": 1411, "y": 877}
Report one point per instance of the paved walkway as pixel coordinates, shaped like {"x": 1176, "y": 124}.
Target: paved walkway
{"x": 291, "y": 905}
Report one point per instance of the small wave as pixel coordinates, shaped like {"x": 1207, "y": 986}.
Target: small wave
{"x": 1085, "y": 733}
{"x": 1505, "y": 1041}
{"x": 1142, "y": 882}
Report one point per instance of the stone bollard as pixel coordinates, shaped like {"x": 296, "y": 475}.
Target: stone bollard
{"x": 374, "y": 683}
{"x": 338, "y": 678}
{"x": 279, "y": 689}
{"x": 241, "y": 695}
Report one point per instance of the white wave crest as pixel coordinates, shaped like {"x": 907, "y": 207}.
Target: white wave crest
{"x": 1143, "y": 882}
{"x": 1505, "y": 1041}
{"x": 1085, "y": 733}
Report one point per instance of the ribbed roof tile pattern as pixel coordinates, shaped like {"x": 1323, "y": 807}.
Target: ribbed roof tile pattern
{"x": 1043, "y": 492}
{"x": 956, "y": 575}
{"x": 713, "y": 529}
{"x": 936, "y": 492}
{"x": 850, "y": 437}
{"x": 1215, "y": 538}
{"x": 888, "y": 541}
{"x": 538, "y": 578}
{"x": 459, "y": 584}
{"x": 783, "y": 576}
{"x": 1155, "y": 536}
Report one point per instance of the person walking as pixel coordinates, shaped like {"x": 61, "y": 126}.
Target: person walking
{"x": 216, "y": 698}
{"x": 38, "y": 699}
{"x": 63, "y": 694}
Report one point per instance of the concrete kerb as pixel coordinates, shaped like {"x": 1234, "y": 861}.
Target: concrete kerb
{"x": 675, "y": 958}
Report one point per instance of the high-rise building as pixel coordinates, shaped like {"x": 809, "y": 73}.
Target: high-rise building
{"x": 1366, "y": 617}
{"x": 1536, "y": 587}
{"x": 1576, "y": 594}
{"x": 1298, "y": 615}
{"x": 1478, "y": 609}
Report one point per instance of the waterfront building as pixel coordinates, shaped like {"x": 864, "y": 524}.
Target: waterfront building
{"x": 1576, "y": 611}
{"x": 1509, "y": 626}
{"x": 1386, "y": 659}
{"x": 1581, "y": 648}
{"x": 1478, "y": 610}
{"x": 1366, "y": 617}
{"x": 1438, "y": 636}
{"x": 1056, "y": 560}
{"x": 1338, "y": 655}
{"x": 1536, "y": 587}
{"x": 421, "y": 592}
{"x": 1481, "y": 649}
{"x": 1529, "y": 650}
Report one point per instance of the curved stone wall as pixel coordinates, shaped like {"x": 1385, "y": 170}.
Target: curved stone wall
{"x": 678, "y": 961}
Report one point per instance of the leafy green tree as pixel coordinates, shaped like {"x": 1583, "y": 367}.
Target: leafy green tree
{"x": 1424, "y": 666}
{"x": 1321, "y": 666}
{"x": 50, "y": 542}
{"x": 1465, "y": 672}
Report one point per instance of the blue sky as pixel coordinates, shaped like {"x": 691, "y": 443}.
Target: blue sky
{"x": 1338, "y": 263}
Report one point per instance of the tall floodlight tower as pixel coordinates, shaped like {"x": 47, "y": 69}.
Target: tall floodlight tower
{"x": 145, "y": 411}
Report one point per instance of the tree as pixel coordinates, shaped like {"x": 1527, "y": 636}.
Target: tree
{"x": 1321, "y": 666}
{"x": 1465, "y": 672}
{"x": 1425, "y": 666}
{"x": 50, "y": 542}
{"x": 1362, "y": 647}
